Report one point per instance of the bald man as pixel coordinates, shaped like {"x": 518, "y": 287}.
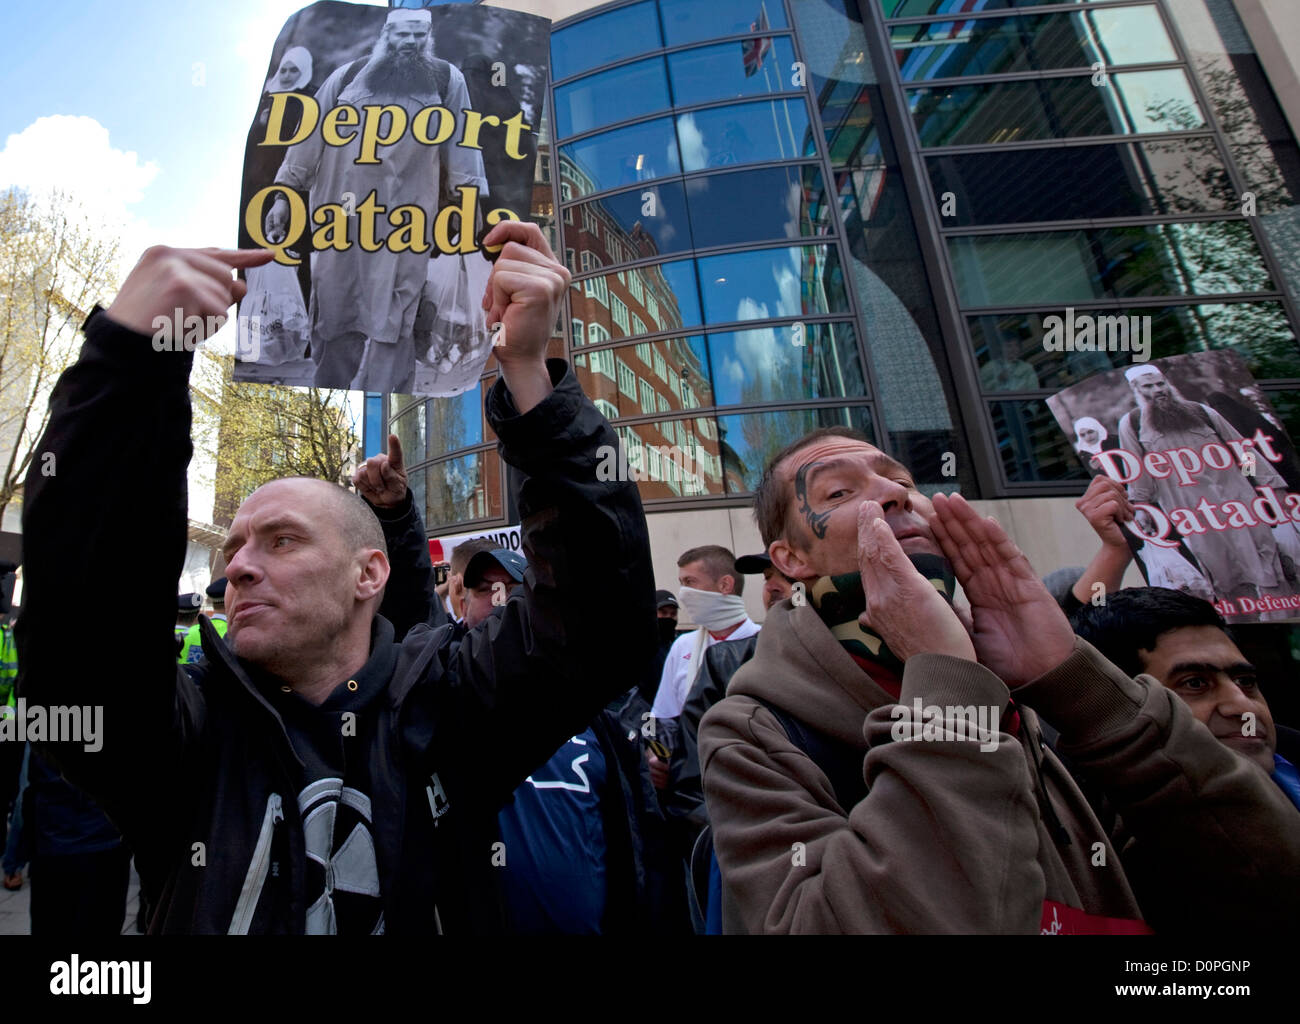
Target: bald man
{"x": 316, "y": 775}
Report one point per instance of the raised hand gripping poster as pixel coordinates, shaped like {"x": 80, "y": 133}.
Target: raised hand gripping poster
{"x": 386, "y": 143}
{"x": 1212, "y": 475}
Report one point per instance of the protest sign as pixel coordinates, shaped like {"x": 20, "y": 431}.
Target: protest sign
{"x": 1211, "y": 472}
{"x": 386, "y": 144}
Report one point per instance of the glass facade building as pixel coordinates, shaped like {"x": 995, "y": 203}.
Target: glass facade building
{"x": 781, "y": 214}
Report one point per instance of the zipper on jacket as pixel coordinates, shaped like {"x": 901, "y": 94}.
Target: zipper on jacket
{"x": 258, "y": 868}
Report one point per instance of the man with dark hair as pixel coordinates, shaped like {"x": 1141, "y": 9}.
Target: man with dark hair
{"x": 868, "y": 770}
{"x": 776, "y": 587}
{"x": 1185, "y": 644}
{"x": 491, "y": 576}
{"x": 317, "y": 775}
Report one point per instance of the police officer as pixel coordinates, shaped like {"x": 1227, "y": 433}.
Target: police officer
{"x": 192, "y": 650}
{"x": 187, "y": 615}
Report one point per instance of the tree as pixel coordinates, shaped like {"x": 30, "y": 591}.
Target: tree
{"x": 55, "y": 263}
{"x": 255, "y": 433}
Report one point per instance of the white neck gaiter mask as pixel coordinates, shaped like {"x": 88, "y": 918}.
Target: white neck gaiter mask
{"x": 713, "y": 611}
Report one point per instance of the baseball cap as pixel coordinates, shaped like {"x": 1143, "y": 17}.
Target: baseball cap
{"x": 664, "y": 598}
{"x": 753, "y": 564}
{"x": 511, "y": 561}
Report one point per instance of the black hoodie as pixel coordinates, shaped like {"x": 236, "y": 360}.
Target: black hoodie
{"x": 197, "y": 768}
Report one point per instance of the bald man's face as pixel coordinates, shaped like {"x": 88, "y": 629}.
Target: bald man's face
{"x": 827, "y": 483}
{"x": 294, "y": 582}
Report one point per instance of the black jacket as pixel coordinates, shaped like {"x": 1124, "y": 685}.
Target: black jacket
{"x": 684, "y": 797}
{"x": 199, "y": 774}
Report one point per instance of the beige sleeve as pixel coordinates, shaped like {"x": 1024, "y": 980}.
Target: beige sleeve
{"x": 1216, "y": 843}
{"x": 945, "y": 841}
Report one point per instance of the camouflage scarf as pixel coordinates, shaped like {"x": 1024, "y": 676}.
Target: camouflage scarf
{"x": 839, "y": 600}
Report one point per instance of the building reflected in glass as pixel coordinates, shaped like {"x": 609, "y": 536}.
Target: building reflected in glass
{"x": 783, "y": 214}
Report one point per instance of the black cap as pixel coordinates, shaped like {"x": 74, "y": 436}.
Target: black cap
{"x": 217, "y": 589}
{"x": 188, "y": 603}
{"x": 752, "y": 564}
{"x": 665, "y": 597}
{"x": 511, "y": 561}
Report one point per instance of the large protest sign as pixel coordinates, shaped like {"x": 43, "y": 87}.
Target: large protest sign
{"x": 386, "y": 143}
{"x": 1211, "y": 472}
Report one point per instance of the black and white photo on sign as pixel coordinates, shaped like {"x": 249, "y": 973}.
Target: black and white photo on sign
{"x": 385, "y": 145}
{"x": 1212, "y": 474}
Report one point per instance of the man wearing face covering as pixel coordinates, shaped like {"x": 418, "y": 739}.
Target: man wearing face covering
{"x": 710, "y": 595}
{"x": 879, "y": 767}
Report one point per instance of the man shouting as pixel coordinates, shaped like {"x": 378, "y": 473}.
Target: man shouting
{"x": 315, "y": 775}
{"x": 878, "y": 765}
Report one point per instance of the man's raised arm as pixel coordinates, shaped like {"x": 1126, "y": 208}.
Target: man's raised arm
{"x": 106, "y": 494}
{"x": 536, "y": 674}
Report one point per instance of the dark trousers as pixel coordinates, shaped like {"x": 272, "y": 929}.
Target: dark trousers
{"x": 11, "y": 763}
{"x": 80, "y": 894}
{"x": 389, "y": 368}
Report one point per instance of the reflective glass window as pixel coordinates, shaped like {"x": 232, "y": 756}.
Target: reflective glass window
{"x": 1132, "y": 103}
{"x": 376, "y": 439}
{"x": 1209, "y": 258}
{"x": 991, "y": 46}
{"x": 457, "y": 422}
{"x": 918, "y": 8}
{"x": 624, "y": 156}
{"x": 417, "y": 480}
{"x": 1286, "y": 404}
{"x": 788, "y": 362}
{"x": 662, "y": 297}
{"x": 689, "y": 21}
{"x": 411, "y": 431}
{"x": 758, "y": 206}
{"x": 619, "y": 94}
{"x": 1012, "y": 356}
{"x": 1031, "y": 445}
{"x": 604, "y": 39}
{"x": 1168, "y": 176}
{"x": 669, "y": 462}
{"x": 772, "y": 283}
{"x": 744, "y": 134}
{"x": 849, "y": 122}
{"x": 462, "y": 489}
{"x": 639, "y": 223}
{"x": 628, "y": 383}
{"x": 717, "y": 73}
{"x": 749, "y": 440}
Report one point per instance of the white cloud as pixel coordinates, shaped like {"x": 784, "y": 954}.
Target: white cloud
{"x": 695, "y": 154}
{"x": 74, "y": 155}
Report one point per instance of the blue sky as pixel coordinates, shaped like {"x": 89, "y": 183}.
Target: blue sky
{"x": 163, "y": 92}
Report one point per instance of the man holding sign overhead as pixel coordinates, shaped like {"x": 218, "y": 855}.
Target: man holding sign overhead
{"x": 317, "y": 775}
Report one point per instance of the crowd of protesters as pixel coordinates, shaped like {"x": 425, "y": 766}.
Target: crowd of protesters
{"x": 920, "y": 737}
